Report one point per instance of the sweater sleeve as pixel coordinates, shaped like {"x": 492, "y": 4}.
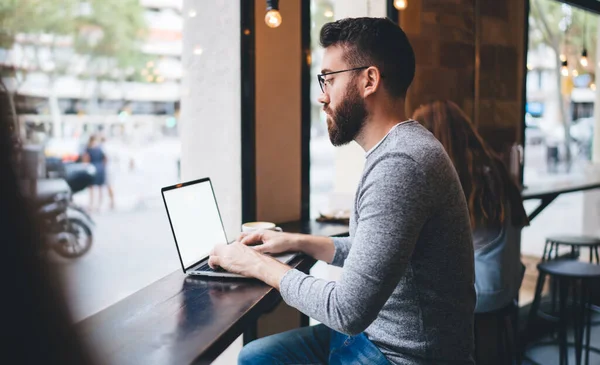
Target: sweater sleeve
{"x": 342, "y": 248}
{"x": 393, "y": 205}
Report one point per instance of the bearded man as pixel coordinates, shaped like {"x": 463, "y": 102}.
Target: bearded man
{"x": 406, "y": 293}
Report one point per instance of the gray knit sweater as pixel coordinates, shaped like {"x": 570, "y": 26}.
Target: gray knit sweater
{"x": 407, "y": 278}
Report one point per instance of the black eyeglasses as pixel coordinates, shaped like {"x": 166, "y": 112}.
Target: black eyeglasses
{"x": 321, "y": 77}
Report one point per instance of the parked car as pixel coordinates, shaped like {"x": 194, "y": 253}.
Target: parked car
{"x": 67, "y": 150}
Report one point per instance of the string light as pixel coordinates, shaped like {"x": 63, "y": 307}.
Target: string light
{"x": 192, "y": 13}
{"x": 563, "y": 58}
{"x": 593, "y": 87}
{"x": 400, "y": 4}
{"x": 564, "y": 70}
{"x": 273, "y": 17}
{"x": 575, "y": 73}
{"x": 584, "y": 60}
{"x": 198, "y": 50}
{"x": 328, "y": 14}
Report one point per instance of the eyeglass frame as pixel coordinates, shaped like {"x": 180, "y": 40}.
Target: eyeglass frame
{"x": 321, "y": 79}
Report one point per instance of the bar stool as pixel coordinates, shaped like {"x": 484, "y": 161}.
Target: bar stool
{"x": 575, "y": 242}
{"x": 505, "y": 322}
{"x": 568, "y": 273}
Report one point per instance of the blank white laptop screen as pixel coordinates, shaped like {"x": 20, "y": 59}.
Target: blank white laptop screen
{"x": 196, "y": 222}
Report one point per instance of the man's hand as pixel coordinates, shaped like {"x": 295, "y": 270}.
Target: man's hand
{"x": 241, "y": 259}
{"x": 272, "y": 242}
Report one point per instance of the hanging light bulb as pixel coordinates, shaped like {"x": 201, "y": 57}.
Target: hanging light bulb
{"x": 575, "y": 73}
{"x": 584, "y": 60}
{"x": 273, "y": 17}
{"x": 400, "y": 4}
{"x": 563, "y": 58}
{"x": 593, "y": 86}
{"x": 564, "y": 70}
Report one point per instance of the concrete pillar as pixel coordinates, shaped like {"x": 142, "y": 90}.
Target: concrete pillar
{"x": 210, "y": 103}
{"x": 211, "y": 110}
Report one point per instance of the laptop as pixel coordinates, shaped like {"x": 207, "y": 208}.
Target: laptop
{"x": 197, "y": 226}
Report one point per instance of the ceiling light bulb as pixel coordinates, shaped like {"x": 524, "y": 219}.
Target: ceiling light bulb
{"x": 273, "y": 18}
{"x": 400, "y": 4}
{"x": 584, "y": 60}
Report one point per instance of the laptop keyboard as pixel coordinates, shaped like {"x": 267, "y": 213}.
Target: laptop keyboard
{"x": 205, "y": 267}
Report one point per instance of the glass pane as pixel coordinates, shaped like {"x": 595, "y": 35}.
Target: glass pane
{"x": 561, "y": 92}
{"x": 96, "y": 84}
{"x": 322, "y": 156}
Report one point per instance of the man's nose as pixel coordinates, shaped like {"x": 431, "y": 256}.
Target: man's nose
{"x": 323, "y": 98}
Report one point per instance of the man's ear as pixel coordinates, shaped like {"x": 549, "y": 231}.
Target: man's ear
{"x": 371, "y": 81}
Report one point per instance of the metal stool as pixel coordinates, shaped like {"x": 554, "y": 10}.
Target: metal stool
{"x": 567, "y": 273}
{"x": 575, "y": 242}
{"x": 506, "y": 333}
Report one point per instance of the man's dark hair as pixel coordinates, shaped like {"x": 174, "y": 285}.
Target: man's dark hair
{"x": 374, "y": 42}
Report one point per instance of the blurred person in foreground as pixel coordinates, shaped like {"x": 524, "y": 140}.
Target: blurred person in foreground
{"x": 496, "y": 207}
{"x": 406, "y": 294}
{"x": 37, "y": 326}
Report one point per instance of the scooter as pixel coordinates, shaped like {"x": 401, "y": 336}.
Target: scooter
{"x": 67, "y": 227}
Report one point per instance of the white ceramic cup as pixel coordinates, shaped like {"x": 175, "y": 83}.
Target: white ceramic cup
{"x": 255, "y": 226}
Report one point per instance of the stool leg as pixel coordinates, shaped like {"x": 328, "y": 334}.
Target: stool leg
{"x": 500, "y": 339}
{"x": 553, "y": 282}
{"x": 510, "y": 340}
{"x": 562, "y": 321}
{"x": 545, "y": 250}
{"x": 588, "y": 312}
{"x": 591, "y": 256}
{"x": 578, "y": 320}
{"x": 535, "y": 306}
{"x": 553, "y": 292}
{"x": 597, "y": 256}
{"x": 476, "y": 335}
{"x": 516, "y": 338}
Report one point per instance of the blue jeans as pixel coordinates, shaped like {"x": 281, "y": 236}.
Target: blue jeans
{"x": 312, "y": 345}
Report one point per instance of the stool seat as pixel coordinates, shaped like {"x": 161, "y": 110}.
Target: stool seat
{"x": 575, "y": 240}
{"x": 570, "y": 269}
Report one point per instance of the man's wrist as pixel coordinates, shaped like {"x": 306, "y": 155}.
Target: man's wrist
{"x": 272, "y": 271}
{"x": 296, "y": 242}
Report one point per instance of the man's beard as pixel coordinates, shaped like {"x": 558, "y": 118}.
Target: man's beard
{"x": 347, "y": 120}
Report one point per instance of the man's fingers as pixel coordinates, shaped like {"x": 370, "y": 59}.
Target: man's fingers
{"x": 259, "y": 248}
{"x": 250, "y": 238}
{"x": 213, "y": 261}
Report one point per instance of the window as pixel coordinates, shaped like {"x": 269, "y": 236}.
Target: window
{"x": 559, "y": 113}
{"x": 110, "y": 69}
{"x": 321, "y": 150}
